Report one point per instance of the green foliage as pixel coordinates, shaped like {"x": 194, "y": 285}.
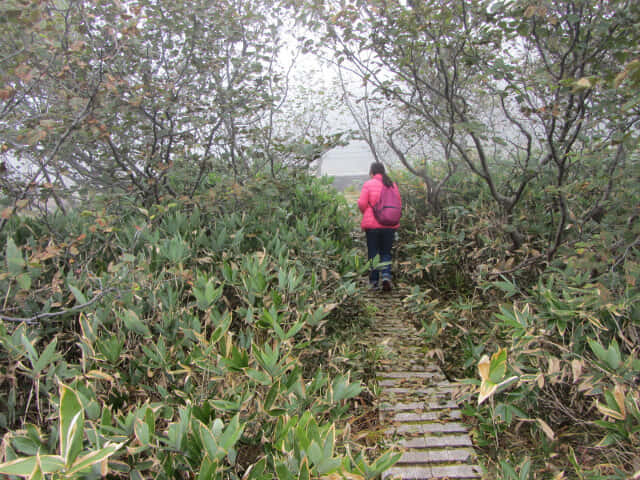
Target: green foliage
{"x": 197, "y": 329}
{"x": 71, "y": 461}
{"x": 195, "y": 332}
{"x": 145, "y": 99}
{"x": 548, "y": 349}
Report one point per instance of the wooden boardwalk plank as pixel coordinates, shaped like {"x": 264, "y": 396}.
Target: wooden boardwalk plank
{"x": 418, "y": 413}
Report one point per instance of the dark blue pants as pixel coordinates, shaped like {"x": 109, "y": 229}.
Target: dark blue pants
{"x": 379, "y": 242}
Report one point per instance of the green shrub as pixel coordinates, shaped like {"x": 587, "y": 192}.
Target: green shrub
{"x": 549, "y": 346}
{"x": 193, "y": 335}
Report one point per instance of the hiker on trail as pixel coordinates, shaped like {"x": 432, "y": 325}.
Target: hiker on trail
{"x": 381, "y": 205}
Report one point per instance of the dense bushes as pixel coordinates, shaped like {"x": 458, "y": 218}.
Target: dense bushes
{"x": 551, "y": 344}
{"x": 195, "y": 336}
{"x": 188, "y": 338}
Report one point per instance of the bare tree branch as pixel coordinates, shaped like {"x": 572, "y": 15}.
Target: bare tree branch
{"x": 41, "y": 316}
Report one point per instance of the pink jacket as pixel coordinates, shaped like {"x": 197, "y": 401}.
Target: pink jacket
{"x": 369, "y": 196}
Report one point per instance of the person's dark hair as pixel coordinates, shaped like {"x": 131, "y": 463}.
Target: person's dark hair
{"x": 376, "y": 168}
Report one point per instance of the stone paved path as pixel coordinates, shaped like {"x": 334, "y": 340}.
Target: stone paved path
{"x": 417, "y": 410}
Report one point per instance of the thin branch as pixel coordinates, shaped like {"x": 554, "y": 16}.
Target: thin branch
{"x": 597, "y": 206}
{"x": 525, "y": 263}
{"x": 620, "y": 258}
{"x": 11, "y": 55}
{"x": 56, "y": 149}
{"x": 364, "y": 125}
{"x": 40, "y": 316}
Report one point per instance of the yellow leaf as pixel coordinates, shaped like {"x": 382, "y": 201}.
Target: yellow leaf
{"x": 618, "y": 393}
{"x": 486, "y": 390}
{"x": 332, "y": 476}
{"x": 546, "y": 429}
{"x": 620, "y": 78}
{"x": 483, "y": 367}
{"x": 326, "y": 308}
{"x": 351, "y": 476}
{"x": 584, "y": 82}
{"x": 6, "y": 93}
{"x": 596, "y": 323}
{"x": 6, "y": 213}
{"x": 554, "y": 365}
{"x": 576, "y": 369}
{"x": 51, "y": 252}
{"x": 540, "y": 380}
{"x": 586, "y": 386}
{"x": 609, "y": 412}
{"x": 100, "y": 375}
{"x": 605, "y": 294}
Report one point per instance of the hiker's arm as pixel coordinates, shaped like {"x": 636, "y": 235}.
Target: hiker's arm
{"x": 363, "y": 201}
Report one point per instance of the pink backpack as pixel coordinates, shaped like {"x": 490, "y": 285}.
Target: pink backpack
{"x": 388, "y": 208}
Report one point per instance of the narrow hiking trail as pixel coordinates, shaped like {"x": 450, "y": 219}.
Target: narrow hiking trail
{"x": 417, "y": 412}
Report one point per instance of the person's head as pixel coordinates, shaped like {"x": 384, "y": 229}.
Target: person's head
{"x": 376, "y": 168}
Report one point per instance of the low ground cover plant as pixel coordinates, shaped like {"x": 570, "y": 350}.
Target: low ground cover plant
{"x": 549, "y": 348}
{"x": 187, "y": 339}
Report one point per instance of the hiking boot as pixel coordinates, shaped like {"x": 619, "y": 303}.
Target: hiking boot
{"x": 373, "y": 285}
{"x": 386, "y": 284}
